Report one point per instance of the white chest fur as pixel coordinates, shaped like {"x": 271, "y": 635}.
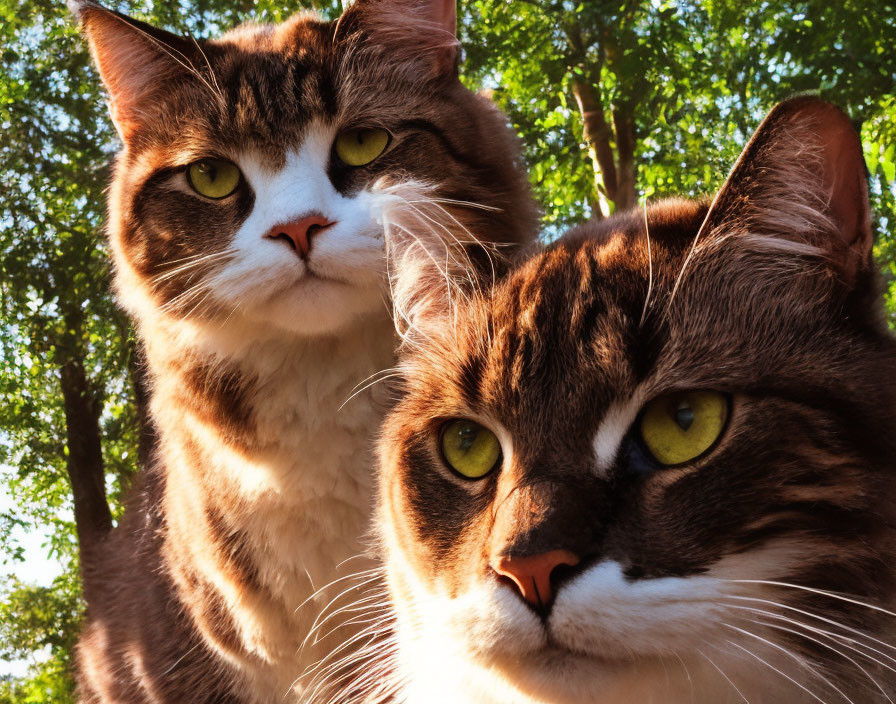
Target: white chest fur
{"x": 298, "y": 496}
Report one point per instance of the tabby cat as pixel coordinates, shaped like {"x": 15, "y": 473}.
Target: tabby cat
{"x": 657, "y": 462}
{"x": 246, "y": 225}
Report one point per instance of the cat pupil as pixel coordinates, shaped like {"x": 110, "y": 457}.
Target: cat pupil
{"x": 684, "y": 415}
{"x": 467, "y": 438}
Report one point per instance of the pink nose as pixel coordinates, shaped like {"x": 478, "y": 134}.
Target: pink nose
{"x": 532, "y": 574}
{"x": 299, "y": 232}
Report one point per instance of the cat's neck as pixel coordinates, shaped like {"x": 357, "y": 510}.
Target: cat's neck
{"x": 265, "y": 442}
{"x": 262, "y": 417}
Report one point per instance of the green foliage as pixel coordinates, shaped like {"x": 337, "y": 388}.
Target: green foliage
{"x": 39, "y": 620}
{"x": 695, "y": 77}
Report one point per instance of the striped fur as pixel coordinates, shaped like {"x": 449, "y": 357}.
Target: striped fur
{"x": 251, "y": 516}
{"x": 764, "y": 571}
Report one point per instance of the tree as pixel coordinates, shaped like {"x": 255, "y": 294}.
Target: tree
{"x": 622, "y": 99}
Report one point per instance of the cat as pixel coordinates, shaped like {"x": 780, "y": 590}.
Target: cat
{"x": 657, "y": 461}
{"x": 245, "y": 226}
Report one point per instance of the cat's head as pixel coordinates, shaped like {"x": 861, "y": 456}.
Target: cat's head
{"x": 664, "y": 447}
{"x": 257, "y": 166}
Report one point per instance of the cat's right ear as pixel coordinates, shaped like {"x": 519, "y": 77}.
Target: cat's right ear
{"x": 134, "y": 59}
{"x": 420, "y": 34}
{"x": 801, "y": 183}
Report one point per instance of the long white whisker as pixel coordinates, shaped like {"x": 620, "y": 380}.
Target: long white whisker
{"x": 815, "y": 616}
{"x": 329, "y": 604}
{"x": 795, "y": 657}
{"x": 363, "y": 574}
{"x": 823, "y": 592}
{"x": 829, "y": 647}
{"x": 783, "y": 674}
{"x": 170, "y": 51}
{"x": 461, "y": 203}
{"x": 846, "y": 641}
{"x": 728, "y": 679}
{"x": 195, "y": 263}
{"x": 649, "y": 268}
{"x": 368, "y": 386}
{"x": 348, "y": 608}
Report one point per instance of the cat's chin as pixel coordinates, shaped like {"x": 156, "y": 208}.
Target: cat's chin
{"x": 559, "y": 675}
{"x": 318, "y": 306}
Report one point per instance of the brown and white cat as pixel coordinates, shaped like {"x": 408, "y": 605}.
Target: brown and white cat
{"x": 657, "y": 462}
{"x": 246, "y": 228}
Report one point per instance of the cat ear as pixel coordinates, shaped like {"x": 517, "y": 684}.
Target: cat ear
{"x": 418, "y": 33}
{"x": 134, "y": 60}
{"x": 801, "y": 180}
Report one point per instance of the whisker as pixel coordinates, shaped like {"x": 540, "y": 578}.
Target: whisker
{"x": 829, "y": 647}
{"x": 331, "y": 602}
{"x": 687, "y": 673}
{"x": 783, "y": 674}
{"x": 329, "y": 669}
{"x": 839, "y": 638}
{"x": 461, "y": 203}
{"x": 728, "y": 679}
{"x": 800, "y": 661}
{"x": 184, "y": 61}
{"x": 368, "y": 386}
{"x": 348, "y": 608}
{"x": 649, "y": 268}
{"x": 353, "y": 575}
{"x": 691, "y": 251}
{"x": 822, "y": 592}
{"x": 195, "y": 263}
{"x": 816, "y": 616}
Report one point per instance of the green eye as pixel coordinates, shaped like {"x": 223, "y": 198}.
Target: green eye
{"x": 469, "y": 449}
{"x": 360, "y": 146}
{"x": 213, "y": 178}
{"x": 679, "y": 427}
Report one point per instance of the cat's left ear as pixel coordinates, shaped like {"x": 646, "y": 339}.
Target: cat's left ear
{"x": 801, "y": 181}
{"x": 136, "y": 62}
{"x": 422, "y": 34}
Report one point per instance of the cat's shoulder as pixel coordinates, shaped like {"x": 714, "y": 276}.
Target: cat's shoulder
{"x": 670, "y": 217}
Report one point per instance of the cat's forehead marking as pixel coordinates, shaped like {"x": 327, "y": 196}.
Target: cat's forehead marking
{"x": 299, "y": 163}
{"x": 613, "y": 428}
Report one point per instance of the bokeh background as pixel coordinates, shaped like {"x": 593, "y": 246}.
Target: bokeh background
{"x": 616, "y": 101}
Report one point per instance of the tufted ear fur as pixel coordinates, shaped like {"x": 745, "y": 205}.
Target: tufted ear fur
{"x": 418, "y": 33}
{"x": 134, "y": 59}
{"x": 802, "y": 181}
{"x": 429, "y": 262}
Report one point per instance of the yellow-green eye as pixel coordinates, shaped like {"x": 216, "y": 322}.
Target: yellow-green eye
{"x": 470, "y": 450}
{"x": 213, "y": 178}
{"x": 679, "y": 427}
{"x": 360, "y": 146}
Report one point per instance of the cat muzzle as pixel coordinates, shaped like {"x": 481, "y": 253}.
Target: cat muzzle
{"x": 299, "y": 233}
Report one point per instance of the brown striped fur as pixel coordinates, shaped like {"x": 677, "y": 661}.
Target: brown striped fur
{"x": 258, "y": 494}
{"x": 760, "y": 572}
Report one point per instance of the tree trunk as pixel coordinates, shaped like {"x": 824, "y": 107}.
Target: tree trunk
{"x": 626, "y": 193}
{"x": 597, "y": 134}
{"x": 93, "y": 520}
{"x": 146, "y": 433}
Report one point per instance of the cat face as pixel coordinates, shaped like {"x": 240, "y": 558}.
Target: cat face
{"x": 663, "y": 445}
{"x": 257, "y": 166}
